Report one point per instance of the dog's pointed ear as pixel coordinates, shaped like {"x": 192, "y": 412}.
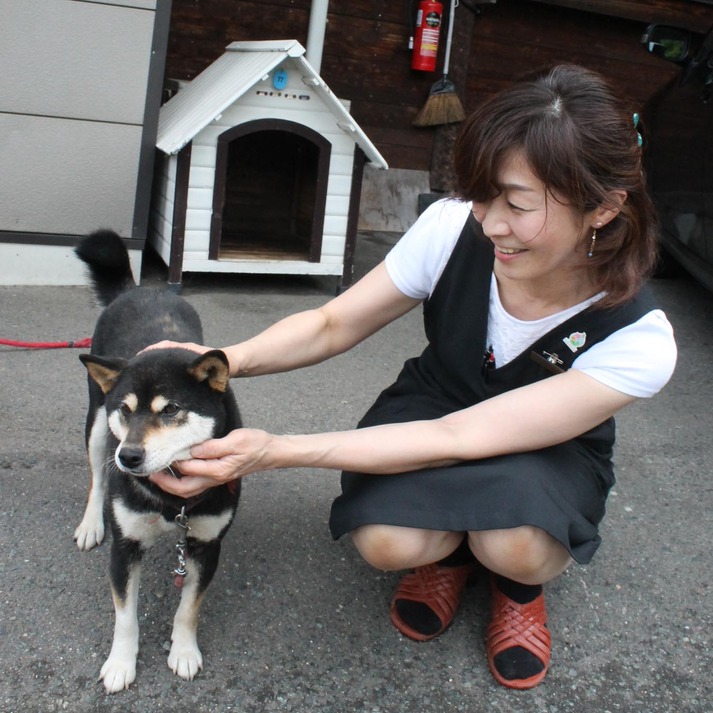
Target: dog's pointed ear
{"x": 212, "y": 367}
{"x": 105, "y": 371}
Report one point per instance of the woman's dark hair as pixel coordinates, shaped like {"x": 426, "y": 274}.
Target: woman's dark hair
{"x": 580, "y": 141}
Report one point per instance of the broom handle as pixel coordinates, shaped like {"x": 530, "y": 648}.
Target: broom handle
{"x": 449, "y": 38}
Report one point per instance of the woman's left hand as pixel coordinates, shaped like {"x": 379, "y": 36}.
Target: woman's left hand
{"x": 217, "y": 462}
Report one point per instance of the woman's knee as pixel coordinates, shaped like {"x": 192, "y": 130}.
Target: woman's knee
{"x": 526, "y": 554}
{"x": 389, "y": 547}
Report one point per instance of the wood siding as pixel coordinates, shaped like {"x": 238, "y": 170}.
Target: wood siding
{"x": 162, "y": 205}
{"x": 366, "y": 58}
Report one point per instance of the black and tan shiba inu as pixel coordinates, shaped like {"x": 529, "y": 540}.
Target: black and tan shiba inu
{"x": 145, "y": 412}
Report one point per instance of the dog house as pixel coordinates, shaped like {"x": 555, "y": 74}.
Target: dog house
{"x": 259, "y": 169}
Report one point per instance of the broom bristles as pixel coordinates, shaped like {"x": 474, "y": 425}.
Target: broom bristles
{"x": 443, "y": 107}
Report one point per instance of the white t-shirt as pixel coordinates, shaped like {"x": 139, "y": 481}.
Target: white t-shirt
{"x": 637, "y": 360}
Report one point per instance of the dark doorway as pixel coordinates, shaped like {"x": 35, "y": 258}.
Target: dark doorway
{"x": 270, "y": 192}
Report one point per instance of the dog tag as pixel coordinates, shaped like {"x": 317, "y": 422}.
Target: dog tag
{"x": 180, "y": 571}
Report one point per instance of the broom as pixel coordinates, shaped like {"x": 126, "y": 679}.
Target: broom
{"x": 443, "y": 105}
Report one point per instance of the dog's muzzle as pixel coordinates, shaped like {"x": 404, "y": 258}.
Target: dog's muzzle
{"x": 130, "y": 459}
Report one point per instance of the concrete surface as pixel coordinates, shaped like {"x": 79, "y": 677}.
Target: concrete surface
{"x": 295, "y": 621}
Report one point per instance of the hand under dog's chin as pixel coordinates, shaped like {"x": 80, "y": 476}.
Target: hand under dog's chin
{"x": 174, "y": 467}
{"x": 185, "y": 454}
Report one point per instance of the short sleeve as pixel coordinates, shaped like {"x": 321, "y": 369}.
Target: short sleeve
{"x": 417, "y": 261}
{"x": 637, "y": 360}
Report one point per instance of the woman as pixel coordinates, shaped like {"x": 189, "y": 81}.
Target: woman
{"x": 494, "y": 446}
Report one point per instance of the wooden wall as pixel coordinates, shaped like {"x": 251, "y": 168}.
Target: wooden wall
{"x": 366, "y": 57}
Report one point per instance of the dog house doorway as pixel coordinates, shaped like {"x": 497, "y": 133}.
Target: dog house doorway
{"x": 270, "y": 192}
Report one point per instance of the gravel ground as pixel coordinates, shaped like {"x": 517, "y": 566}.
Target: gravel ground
{"x": 295, "y": 621}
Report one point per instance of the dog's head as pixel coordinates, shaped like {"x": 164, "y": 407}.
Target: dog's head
{"x": 160, "y": 403}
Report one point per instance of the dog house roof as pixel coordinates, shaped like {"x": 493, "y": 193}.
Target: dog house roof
{"x": 218, "y": 86}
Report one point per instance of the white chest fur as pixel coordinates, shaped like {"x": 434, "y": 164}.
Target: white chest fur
{"x": 148, "y": 527}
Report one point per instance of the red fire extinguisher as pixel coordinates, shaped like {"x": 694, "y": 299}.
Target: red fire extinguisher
{"x": 428, "y": 30}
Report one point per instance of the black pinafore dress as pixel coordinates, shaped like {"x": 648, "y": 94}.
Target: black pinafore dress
{"x": 561, "y": 489}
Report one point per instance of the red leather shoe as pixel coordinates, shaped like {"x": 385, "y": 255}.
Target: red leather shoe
{"x": 439, "y": 588}
{"x": 513, "y": 624}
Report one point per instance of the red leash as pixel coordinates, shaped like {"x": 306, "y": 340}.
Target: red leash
{"x": 79, "y": 344}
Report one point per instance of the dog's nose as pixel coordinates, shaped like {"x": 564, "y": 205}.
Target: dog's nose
{"x": 131, "y": 456}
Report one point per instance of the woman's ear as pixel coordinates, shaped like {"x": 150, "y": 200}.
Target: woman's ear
{"x": 601, "y": 215}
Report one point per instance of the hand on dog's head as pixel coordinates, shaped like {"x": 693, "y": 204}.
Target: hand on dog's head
{"x": 211, "y": 367}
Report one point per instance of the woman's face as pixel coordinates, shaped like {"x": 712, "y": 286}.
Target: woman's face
{"x": 535, "y": 236}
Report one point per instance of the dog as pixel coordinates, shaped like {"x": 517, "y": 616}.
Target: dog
{"x": 146, "y": 410}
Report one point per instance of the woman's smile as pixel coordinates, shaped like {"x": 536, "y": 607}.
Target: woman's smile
{"x": 503, "y": 253}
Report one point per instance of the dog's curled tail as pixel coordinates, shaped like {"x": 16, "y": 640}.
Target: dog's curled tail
{"x": 106, "y": 256}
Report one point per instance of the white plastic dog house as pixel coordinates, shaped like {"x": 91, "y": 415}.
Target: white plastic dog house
{"x": 261, "y": 171}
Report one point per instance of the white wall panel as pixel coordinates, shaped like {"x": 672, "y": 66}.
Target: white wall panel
{"x": 78, "y": 177}
{"x": 75, "y": 59}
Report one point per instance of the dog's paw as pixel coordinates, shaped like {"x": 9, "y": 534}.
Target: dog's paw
{"x": 118, "y": 673}
{"x": 185, "y": 660}
{"x": 89, "y": 533}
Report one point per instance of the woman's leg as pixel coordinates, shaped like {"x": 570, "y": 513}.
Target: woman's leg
{"x": 389, "y": 547}
{"x": 518, "y": 641}
{"x": 525, "y": 554}
{"x": 427, "y": 598}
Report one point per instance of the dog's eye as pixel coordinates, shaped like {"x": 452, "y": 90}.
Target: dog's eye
{"x": 125, "y": 409}
{"x": 170, "y": 409}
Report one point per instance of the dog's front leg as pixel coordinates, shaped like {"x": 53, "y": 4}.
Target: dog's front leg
{"x": 185, "y": 658}
{"x": 119, "y": 670}
{"x": 90, "y": 531}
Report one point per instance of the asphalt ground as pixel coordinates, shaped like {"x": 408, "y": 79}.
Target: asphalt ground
{"x": 297, "y": 622}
